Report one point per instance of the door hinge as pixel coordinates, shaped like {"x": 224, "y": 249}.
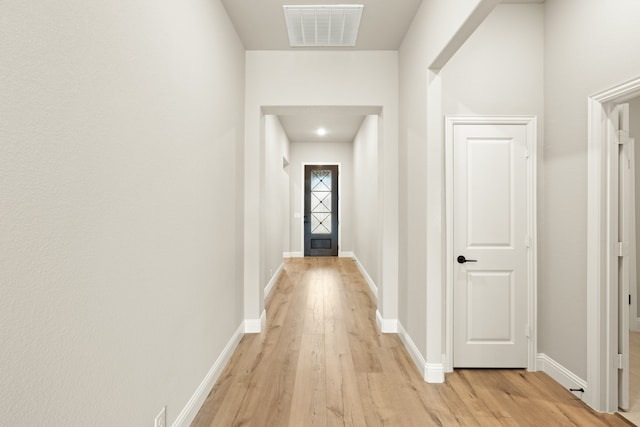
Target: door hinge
{"x": 629, "y": 299}
{"x": 622, "y": 249}
{"x": 622, "y": 136}
{"x": 620, "y": 366}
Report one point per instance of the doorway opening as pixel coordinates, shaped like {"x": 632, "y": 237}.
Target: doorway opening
{"x": 633, "y": 230}
{"x": 610, "y": 247}
{"x": 625, "y": 121}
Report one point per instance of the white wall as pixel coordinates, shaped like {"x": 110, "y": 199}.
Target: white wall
{"x": 121, "y": 126}
{"x": 321, "y": 152}
{"x": 366, "y": 200}
{"x": 589, "y": 47}
{"x": 276, "y": 201}
{"x": 421, "y": 189}
{"x": 320, "y": 78}
{"x": 500, "y": 68}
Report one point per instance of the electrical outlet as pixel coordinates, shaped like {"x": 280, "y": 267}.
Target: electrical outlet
{"x": 161, "y": 418}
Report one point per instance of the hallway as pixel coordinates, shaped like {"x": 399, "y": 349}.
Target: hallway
{"x": 322, "y": 361}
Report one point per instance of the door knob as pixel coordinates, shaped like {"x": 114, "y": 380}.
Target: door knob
{"x": 462, "y": 259}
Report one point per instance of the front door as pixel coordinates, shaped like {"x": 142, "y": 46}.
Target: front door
{"x": 490, "y": 282}
{"x": 321, "y": 210}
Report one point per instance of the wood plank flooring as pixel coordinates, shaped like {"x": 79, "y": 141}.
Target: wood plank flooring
{"x": 634, "y": 378}
{"x": 322, "y": 362}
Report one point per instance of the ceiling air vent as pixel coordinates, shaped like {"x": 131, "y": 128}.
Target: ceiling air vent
{"x": 333, "y": 25}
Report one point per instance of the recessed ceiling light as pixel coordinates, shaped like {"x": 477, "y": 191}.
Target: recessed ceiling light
{"x": 321, "y": 131}
{"x": 334, "y": 25}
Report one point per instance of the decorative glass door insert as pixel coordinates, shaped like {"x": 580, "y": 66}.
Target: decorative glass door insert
{"x": 321, "y": 202}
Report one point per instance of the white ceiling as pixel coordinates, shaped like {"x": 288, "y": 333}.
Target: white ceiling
{"x": 302, "y": 127}
{"x": 261, "y": 26}
{"x": 341, "y": 123}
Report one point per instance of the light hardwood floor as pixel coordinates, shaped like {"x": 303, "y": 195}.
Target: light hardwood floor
{"x": 322, "y": 362}
{"x": 634, "y": 378}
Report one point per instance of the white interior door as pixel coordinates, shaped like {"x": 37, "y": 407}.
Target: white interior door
{"x": 626, "y": 237}
{"x": 490, "y": 292}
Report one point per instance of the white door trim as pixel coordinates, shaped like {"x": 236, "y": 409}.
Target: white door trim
{"x": 532, "y": 262}
{"x": 602, "y": 229}
{"x": 339, "y": 165}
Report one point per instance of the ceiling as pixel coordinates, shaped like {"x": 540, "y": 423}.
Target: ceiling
{"x": 261, "y": 26}
{"x": 301, "y": 127}
{"x": 341, "y": 122}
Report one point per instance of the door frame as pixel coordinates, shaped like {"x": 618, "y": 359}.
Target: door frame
{"x": 602, "y": 240}
{"x": 532, "y": 260}
{"x": 339, "y": 165}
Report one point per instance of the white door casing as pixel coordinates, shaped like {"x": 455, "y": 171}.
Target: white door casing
{"x": 491, "y": 219}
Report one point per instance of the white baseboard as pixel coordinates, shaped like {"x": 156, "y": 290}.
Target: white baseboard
{"x": 635, "y": 326}
{"x": 560, "y": 374}
{"x": 189, "y": 412}
{"x": 255, "y": 326}
{"x": 387, "y": 326}
{"x": 435, "y": 373}
{"x": 431, "y": 372}
{"x": 413, "y": 351}
{"x": 273, "y": 281}
{"x": 292, "y": 254}
{"x": 346, "y": 254}
{"x": 367, "y": 278}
